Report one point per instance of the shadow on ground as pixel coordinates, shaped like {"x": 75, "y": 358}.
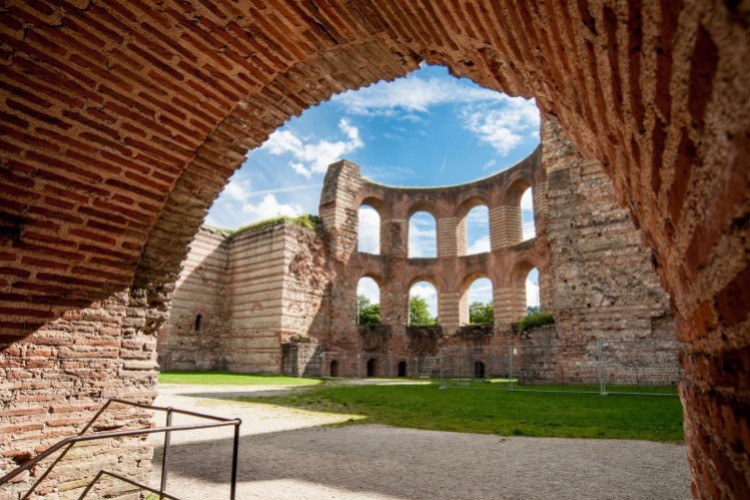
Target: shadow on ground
{"x": 373, "y": 461}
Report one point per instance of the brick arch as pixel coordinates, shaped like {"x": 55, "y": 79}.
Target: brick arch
{"x": 122, "y": 121}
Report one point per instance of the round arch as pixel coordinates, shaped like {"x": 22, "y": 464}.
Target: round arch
{"x": 180, "y": 94}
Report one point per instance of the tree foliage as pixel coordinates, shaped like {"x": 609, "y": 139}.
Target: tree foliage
{"x": 481, "y": 314}
{"x": 419, "y": 314}
{"x": 535, "y": 319}
{"x": 369, "y": 314}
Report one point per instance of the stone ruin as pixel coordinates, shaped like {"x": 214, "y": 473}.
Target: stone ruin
{"x": 122, "y": 121}
{"x": 281, "y": 298}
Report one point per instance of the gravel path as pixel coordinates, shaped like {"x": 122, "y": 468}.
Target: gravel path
{"x": 291, "y": 454}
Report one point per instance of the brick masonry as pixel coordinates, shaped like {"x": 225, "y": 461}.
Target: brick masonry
{"x": 295, "y": 290}
{"x": 121, "y": 121}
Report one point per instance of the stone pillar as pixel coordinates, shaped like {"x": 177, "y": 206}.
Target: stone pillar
{"x": 337, "y": 205}
{"x": 448, "y": 310}
{"x": 447, "y": 237}
{"x": 395, "y": 243}
{"x": 505, "y": 226}
{"x": 510, "y": 305}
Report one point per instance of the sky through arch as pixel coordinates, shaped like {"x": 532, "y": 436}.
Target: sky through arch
{"x": 426, "y": 129}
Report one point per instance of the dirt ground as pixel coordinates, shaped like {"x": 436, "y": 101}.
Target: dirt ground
{"x": 293, "y": 454}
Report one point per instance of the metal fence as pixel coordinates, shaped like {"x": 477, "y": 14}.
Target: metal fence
{"x": 603, "y": 367}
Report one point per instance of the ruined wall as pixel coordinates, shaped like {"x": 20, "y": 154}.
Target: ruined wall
{"x": 123, "y": 120}
{"x": 254, "y": 290}
{"x": 192, "y": 337}
{"x": 52, "y": 384}
{"x": 602, "y": 279}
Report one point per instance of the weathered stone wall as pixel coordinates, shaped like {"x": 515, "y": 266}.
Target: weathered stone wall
{"x": 602, "y": 280}
{"x": 121, "y": 122}
{"x": 52, "y": 384}
{"x": 296, "y": 288}
{"x": 255, "y": 291}
{"x": 198, "y": 321}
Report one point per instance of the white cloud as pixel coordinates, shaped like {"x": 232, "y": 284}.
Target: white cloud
{"x": 532, "y": 288}
{"x": 529, "y": 230}
{"x": 480, "y": 291}
{"x": 237, "y": 189}
{"x": 422, "y": 236}
{"x": 503, "y": 127}
{"x": 270, "y": 207}
{"x": 527, "y": 201}
{"x": 369, "y": 288}
{"x": 428, "y": 292}
{"x": 489, "y": 165}
{"x": 369, "y": 230}
{"x": 313, "y": 157}
{"x": 410, "y": 95}
{"x": 480, "y": 245}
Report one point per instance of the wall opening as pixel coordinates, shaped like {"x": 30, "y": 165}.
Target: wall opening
{"x": 372, "y": 366}
{"x": 368, "y": 230}
{"x": 198, "y": 324}
{"x": 422, "y": 236}
{"x": 533, "y": 302}
{"x": 477, "y": 224}
{"x": 402, "y": 369}
{"x": 478, "y": 369}
{"x": 334, "y": 370}
{"x": 476, "y": 307}
{"x": 368, "y": 302}
{"x": 528, "y": 227}
{"x": 423, "y": 304}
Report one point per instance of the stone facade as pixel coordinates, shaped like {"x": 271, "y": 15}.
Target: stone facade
{"x": 121, "y": 122}
{"x": 295, "y": 289}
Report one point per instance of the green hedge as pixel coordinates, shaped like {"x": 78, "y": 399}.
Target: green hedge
{"x": 535, "y": 319}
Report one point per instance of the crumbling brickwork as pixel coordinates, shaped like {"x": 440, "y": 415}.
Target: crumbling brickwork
{"x": 121, "y": 122}
{"x": 595, "y": 276}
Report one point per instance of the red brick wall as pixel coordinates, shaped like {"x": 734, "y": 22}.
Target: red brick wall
{"x": 122, "y": 120}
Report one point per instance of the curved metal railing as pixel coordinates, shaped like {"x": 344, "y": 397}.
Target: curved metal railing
{"x": 69, "y": 442}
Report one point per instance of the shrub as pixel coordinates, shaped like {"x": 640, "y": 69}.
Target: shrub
{"x": 535, "y": 319}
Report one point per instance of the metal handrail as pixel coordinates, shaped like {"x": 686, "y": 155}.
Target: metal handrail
{"x": 81, "y": 437}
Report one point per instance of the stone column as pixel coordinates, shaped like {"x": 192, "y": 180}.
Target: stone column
{"x": 505, "y": 226}
{"x": 448, "y": 240}
{"x": 448, "y": 310}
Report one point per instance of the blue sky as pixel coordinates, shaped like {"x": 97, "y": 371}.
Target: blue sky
{"x": 426, "y": 129}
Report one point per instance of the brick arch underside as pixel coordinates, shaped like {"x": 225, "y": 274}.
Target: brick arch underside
{"x": 121, "y": 122}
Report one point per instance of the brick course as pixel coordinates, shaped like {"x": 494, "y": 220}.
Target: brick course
{"x": 140, "y": 109}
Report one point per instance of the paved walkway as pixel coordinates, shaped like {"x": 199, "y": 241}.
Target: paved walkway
{"x": 295, "y": 454}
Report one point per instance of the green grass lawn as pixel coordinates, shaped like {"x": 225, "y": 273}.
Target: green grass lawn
{"x": 498, "y": 412}
{"x": 224, "y": 378}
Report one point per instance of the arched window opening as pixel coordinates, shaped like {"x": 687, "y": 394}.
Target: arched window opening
{"x": 528, "y": 228}
{"x": 477, "y": 223}
{"x": 198, "y": 322}
{"x": 423, "y": 300}
{"x": 372, "y": 366}
{"x": 334, "y": 371}
{"x": 478, "y": 369}
{"x": 477, "y": 306}
{"x": 422, "y": 236}
{"x": 368, "y": 302}
{"x": 533, "y": 303}
{"x": 368, "y": 230}
{"x": 402, "y": 369}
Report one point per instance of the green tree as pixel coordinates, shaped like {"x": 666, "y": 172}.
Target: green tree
{"x": 369, "y": 314}
{"x": 481, "y": 314}
{"x": 419, "y": 314}
{"x": 532, "y": 309}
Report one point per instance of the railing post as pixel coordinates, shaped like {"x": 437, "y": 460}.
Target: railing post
{"x": 510, "y": 367}
{"x": 600, "y": 355}
{"x": 164, "y": 455}
{"x": 235, "y": 456}
{"x": 443, "y": 383}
